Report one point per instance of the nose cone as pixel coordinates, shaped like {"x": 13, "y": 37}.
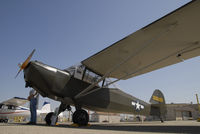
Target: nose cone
{"x": 27, "y": 72}
{"x": 32, "y": 75}
{"x": 46, "y": 79}
{"x": 30, "y": 72}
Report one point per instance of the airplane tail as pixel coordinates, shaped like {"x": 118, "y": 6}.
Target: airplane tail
{"x": 158, "y": 107}
{"x": 46, "y": 108}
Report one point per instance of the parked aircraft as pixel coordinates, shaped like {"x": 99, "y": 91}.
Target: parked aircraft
{"x": 169, "y": 40}
{"x": 14, "y": 108}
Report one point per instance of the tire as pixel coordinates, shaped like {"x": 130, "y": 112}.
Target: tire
{"x": 48, "y": 118}
{"x": 6, "y": 121}
{"x": 80, "y": 117}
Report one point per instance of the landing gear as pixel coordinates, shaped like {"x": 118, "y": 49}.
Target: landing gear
{"x": 48, "y": 118}
{"x": 80, "y": 117}
{"x": 52, "y": 117}
{"x": 4, "y": 120}
{"x": 161, "y": 120}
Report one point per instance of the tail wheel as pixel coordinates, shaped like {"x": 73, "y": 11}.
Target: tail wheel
{"x": 48, "y": 118}
{"x": 80, "y": 117}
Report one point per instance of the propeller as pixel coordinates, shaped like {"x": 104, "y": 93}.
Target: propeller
{"x": 23, "y": 66}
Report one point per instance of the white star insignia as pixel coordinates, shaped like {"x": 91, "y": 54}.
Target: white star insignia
{"x": 137, "y": 105}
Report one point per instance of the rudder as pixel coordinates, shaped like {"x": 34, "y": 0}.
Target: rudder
{"x": 157, "y": 97}
{"x": 46, "y": 108}
{"x": 158, "y": 107}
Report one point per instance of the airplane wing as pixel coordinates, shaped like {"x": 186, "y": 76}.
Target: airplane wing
{"x": 169, "y": 40}
{"x": 16, "y": 101}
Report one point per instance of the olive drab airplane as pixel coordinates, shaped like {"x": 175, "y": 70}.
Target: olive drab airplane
{"x": 169, "y": 40}
{"x": 14, "y": 108}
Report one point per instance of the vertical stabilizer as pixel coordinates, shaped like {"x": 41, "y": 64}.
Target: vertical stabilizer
{"x": 158, "y": 107}
{"x": 46, "y": 108}
{"x": 157, "y": 97}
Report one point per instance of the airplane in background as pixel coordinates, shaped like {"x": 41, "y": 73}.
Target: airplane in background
{"x": 167, "y": 41}
{"x": 14, "y": 108}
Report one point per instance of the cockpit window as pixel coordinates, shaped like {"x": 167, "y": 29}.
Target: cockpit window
{"x": 1, "y": 106}
{"x": 11, "y": 107}
{"x": 79, "y": 71}
{"x": 4, "y": 107}
{"x": 71, "y": 70}
{"x": 90, "y": 77}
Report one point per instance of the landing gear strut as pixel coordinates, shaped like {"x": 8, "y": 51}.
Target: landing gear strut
{"x": 161, "y": 120}
{"x": 80, "y": 117}
{"x": 52, "y": 117}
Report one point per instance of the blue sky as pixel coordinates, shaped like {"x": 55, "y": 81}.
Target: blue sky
{"x": 65, "y": 32}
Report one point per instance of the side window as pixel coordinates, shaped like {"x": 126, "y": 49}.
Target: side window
{"x": 1, "y": 106}
{"x": 14, "y": 107}
{"x": 79, "y": 72}
{"x": 9, "y": 107}
{"x": 91, "y": 77}
{"x": 71, "y": 70}
{"x": 4, "y": 107}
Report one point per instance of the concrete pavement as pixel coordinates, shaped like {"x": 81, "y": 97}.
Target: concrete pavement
{"x": 106, "y": 128}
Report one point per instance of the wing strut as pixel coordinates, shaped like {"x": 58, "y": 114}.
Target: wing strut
{"x": 146, "y": 44}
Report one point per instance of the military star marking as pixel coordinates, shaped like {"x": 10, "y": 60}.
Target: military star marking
{"x": 137, "y": 105}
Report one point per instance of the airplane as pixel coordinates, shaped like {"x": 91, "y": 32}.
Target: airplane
{"x": 167, "y": 41}
{"x": 14, "y": 107}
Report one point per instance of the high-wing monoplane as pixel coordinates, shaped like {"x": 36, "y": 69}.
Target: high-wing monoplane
{"x": 169, "y": 40}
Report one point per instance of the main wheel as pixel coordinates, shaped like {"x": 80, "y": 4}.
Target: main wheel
{"x": 48, "y": 118}
{"x": 6, "y": 121}
{"x": 80, "y": 117}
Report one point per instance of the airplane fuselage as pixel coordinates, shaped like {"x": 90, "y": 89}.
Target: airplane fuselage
{"x": 62, "y": 86}
{"x": 7, "y": 113}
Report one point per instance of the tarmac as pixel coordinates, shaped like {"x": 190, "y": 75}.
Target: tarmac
{"x": 168, "y": 127}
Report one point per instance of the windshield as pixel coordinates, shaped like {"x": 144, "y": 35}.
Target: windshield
{"x": 79, "y": 71}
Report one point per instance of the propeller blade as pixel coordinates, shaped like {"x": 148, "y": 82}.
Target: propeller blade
{"x": 25, "y": 63}
{"x": 18, "y": 73}
{"x": 27, "y": 60}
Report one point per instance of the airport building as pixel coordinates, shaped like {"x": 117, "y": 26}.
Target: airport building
{"x": 105, "y": 117}
{"x": 182, "y": 111}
